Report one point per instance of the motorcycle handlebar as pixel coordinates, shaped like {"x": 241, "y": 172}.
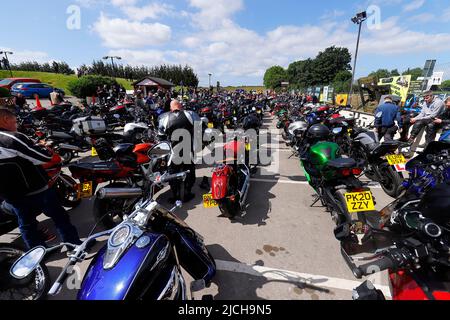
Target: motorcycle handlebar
{"x": 373, "y": 267}
{"x": 173, "y": 177}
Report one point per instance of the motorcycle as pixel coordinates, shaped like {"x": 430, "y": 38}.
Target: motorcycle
{"x": 125, "y": 166}
{"x": 413, "y": 239}
{"x": 144, "y": 257}
{"x": 231, "y": 182}
{"x": 380, "y": 160}
{"x": 334, "y": 179}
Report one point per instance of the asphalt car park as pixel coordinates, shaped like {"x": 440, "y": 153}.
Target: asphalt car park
{"x": 280, "y": 248}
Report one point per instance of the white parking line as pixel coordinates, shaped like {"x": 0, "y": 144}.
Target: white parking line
{"x": 282, "y": 181}
{"x": 294, "y": 277}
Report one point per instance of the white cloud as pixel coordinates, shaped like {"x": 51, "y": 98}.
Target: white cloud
{"x": 151, "y": 11}
{"x": 119, "y": 3}
{"x": 414, "y": 5}
{"x": 121, "y": 33}
{"x": 26, "y": 55}
{"x": 424, "y": 17}
{"x": 446, "y": 16}
{"x": 214, "y": 13}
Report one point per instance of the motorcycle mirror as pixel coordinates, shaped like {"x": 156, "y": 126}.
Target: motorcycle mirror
{"x": 161, "y": 150}
{"x": 26, "y": 264}
{"x": 337, "y": 130}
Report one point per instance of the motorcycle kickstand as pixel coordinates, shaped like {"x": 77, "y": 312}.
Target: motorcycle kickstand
{"x": 316, "y": 200}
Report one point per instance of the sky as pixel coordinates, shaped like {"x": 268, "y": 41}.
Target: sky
{"x": 234, "y": 40}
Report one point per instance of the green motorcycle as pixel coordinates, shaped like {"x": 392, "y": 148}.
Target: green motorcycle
{"x": 334, "y": 179}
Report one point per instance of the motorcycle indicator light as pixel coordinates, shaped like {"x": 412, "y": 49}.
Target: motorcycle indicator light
{"x": 356, "y": 171}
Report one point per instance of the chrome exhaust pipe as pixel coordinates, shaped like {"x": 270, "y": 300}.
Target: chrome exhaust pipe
{"x": 119, "y": 193}
{"x": 245, "y": 188}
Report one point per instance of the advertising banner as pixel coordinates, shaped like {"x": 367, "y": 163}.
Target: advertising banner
{"x": 399, "y": 85}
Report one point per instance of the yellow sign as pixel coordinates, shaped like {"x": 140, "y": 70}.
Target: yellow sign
{"x": 85, "y": 190}
{"x": 399, "y": 85}
{"x": 395, "y": 159}
{"x": 342, "y": 99}
{"x": 209, "y": 202}
{"x": 94, "y": 152}
{"x": 359, "y": 201}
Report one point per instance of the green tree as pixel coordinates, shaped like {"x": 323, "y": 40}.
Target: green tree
{"x": 329, "y": 63}
{"x": 380, "y": 73}
{"x": 274, "y": 76}
{"x": 415, "y": 73}
{"x": 445, "y": 84}
{"x": 87, "y": 86}
{"x": 342, "y": 81}
{"x": 395, "y": 73}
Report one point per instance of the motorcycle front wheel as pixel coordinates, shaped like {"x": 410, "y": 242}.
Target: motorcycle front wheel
{"x": 34, "y": 287}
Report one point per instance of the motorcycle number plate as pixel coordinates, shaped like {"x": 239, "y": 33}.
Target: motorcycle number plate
{"x": 396, "y": 159}
{"x": 209, "y": 202}
{"x": 359, "y": 201}
{"x": 227, "y": 123}
{"x": 85, "y": 190}
{"x": 211, "y": 125}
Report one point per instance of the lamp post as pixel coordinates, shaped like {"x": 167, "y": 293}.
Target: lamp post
{"x": 358, "y": 19}
{"x": 6, "y": 57}
{"x": 209, "y": 74}
{"x": 112, "y": 61}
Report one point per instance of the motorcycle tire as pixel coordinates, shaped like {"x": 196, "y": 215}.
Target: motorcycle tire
{"x": 68, "y": 195}
{"x": 34, "y": 287}
{"x": 392, "y": 183}
{"x": 103, "y": 206}
{"x": 66, "y": 155}
{"x": 229, "y": 209}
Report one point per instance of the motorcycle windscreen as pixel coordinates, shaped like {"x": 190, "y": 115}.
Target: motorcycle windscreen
{"x": 139, "y": 273}
{"x": 192, "y": 253}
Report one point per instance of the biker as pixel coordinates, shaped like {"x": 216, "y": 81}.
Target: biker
{"x": 386, "y": 115}
{"x": 432, "y": 108}
{"x": 24, "y": 184}
{"x": 444, "y": 120}
{"x": 178, "y": 119}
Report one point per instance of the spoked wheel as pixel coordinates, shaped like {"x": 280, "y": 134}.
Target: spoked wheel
{"x": 34, "y": 287}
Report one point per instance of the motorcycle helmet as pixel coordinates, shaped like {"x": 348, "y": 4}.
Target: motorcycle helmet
{"x": 297, "y": 127}
{"x": 435, "y": 204}
{"x": 318, "y": 131}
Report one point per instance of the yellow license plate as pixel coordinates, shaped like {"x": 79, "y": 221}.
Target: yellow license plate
{"x": 227, "y": 123}
{"x": 94, "y": 152}
{"x": 209, "y": 202}
{"x": 211, "y": 125}
{"x": 359, "y": 201}
{"x": 395, "y": 159}
{"x": 85, "y": 190}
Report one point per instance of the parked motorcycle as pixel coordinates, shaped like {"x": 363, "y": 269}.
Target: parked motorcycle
{"x": 144, "y": 257}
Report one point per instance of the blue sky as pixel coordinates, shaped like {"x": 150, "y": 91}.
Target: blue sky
{"x": 235, "y": 40}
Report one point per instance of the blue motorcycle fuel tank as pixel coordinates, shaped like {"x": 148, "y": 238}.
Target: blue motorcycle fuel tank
{"x": 142, "y": 272}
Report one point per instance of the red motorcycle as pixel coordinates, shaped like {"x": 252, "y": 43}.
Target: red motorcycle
{"x": 66, "y": 186}
{"x": 126, "y": 166}
{"x": 231, "y": 180}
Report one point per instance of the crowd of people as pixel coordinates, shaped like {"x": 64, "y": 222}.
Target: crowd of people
{"x": 434, "y": 116}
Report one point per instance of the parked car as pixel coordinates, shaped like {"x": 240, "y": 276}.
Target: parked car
{"x": 10, "y": 82}
{"x": 30, "y": 90}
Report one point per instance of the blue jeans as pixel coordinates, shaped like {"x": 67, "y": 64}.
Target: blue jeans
{"x": 46, "y": 202}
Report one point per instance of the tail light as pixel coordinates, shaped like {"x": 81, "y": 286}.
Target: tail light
{"x": 351, "y": 172}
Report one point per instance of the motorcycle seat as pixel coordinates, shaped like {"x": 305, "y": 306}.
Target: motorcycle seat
{"x": 106, "y": 168}
{"x": 384, "y": 148}
{"x": 342, "y": 163}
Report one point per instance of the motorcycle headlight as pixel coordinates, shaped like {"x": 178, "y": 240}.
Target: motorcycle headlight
{"x": 120, "y": 236}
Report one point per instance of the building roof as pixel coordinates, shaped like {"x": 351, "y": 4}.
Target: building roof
{"x": 152, "y": 81}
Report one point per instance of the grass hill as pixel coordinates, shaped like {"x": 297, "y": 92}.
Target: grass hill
{"x": 53, "y": 79}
